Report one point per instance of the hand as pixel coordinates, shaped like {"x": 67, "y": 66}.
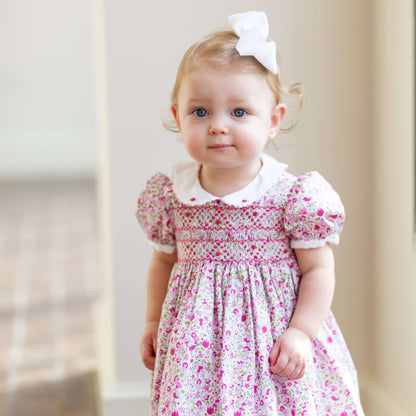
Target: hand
{"x": 291, "y": 354}
{"x": 148, "y": 344}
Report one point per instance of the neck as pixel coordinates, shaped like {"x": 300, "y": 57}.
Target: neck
{"x": 223, "y": 181}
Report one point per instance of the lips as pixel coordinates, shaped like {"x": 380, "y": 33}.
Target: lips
{"x": 220, "y": 146}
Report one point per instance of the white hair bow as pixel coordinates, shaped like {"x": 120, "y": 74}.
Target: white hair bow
{"x": 252, "y": 28}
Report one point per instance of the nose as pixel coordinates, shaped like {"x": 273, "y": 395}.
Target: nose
{"x": 218, "y": 126}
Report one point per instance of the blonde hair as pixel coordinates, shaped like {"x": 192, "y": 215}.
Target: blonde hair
{"x": 218, "y": 50}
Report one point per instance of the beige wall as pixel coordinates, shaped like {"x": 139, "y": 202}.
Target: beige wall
{"x": 394, "y": 257}
{"x": 340, "y": 51}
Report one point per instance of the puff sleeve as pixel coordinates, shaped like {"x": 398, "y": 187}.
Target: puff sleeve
{"x": 153, "y": 214}
{"x": 314, "y": 213}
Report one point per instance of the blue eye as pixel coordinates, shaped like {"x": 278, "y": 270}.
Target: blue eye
{"x": 200, "y": 112}
{"x": 239, "y": 112}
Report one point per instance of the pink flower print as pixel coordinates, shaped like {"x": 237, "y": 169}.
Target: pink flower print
{"x": 193, "y": 199}
{"x": 237, "y": 413}
{"x": 264, "y": 329}
{"x": 334, "y": 398}
{"x": 205, "y": 344}
{"x": 320, "y": 212}
{"x": 172, "y": 351}
{"x": 175, "y": 413}
{"x": 243, "y": 318}
{"x": 306, "y": 199}
{"x": 329, "y": 339}
{"x": 344, "y": 414}
{"x": 255, "y": 213}
{"x": 210, "y": 410}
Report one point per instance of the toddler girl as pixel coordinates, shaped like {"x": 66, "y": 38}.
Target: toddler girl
{"x": 242, "y": 275}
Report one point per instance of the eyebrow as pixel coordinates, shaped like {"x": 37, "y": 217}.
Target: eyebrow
{"x": 235, "y": 101}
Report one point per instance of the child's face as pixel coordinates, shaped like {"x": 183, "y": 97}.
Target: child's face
{"x": 226, "y": 118}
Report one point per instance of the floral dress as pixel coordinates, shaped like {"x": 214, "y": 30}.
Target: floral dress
{"x": 233, "y": 291}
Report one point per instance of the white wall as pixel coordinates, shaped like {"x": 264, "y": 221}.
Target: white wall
{"x": 46, "y": 89}
{"x": 144, "y": 45}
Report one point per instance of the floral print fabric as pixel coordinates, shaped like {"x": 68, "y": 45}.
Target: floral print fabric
{"x": 232, "y": 293}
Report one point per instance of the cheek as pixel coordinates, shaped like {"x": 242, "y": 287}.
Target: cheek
{"x": 254, "y": 138}
{"x": 192, "y": 141}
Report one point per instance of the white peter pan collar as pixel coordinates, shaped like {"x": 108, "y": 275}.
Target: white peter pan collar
{"x": 189, "y": 191}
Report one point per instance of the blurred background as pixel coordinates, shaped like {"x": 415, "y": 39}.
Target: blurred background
{"x": 48, "y": 216}
{"x": 83, "y": 89}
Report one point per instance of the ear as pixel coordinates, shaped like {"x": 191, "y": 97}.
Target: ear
{"x": 175, "y": 113}
{"x": 276, "y": 119}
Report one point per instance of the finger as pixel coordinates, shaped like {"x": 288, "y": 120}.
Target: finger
{"x": 281, "y": 363}
{"x": 149, "y": 362}
{"x": 148, "y": 356}
{"x": 288, "y": 370}
{"x": 302, "y": 372}
{"x": 295, "y": 373}
{"x": 274, "y": 354}
{"x": 299, "y": 372}
{"x": 148, "y": 353}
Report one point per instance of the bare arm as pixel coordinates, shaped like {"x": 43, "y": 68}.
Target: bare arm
{"x": 316, "y": 289}
{"x": 157, "y": 284}
{"x": 291, "y": 354}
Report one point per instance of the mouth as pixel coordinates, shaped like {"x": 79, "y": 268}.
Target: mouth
{"x": 220, "y": 146}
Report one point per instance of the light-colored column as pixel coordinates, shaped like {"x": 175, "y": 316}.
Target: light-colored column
{"x": 392, "y": 389}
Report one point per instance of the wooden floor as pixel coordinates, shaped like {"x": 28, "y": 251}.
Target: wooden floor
{"x": 48, "y": 283}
